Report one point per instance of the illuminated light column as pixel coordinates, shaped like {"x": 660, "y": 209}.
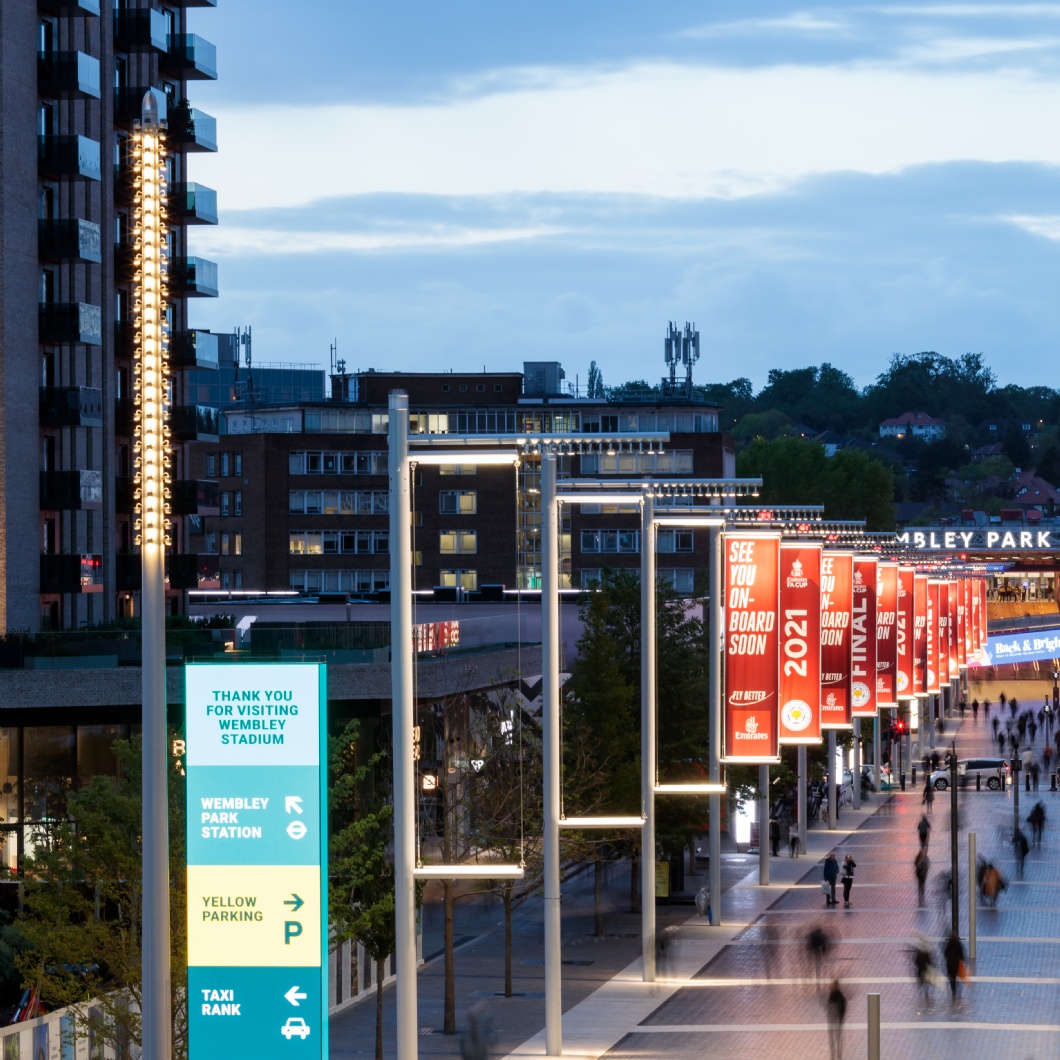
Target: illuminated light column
{"x": 152, "y": 470}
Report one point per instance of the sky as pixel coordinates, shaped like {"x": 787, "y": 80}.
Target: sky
{"x": 470, "y": 185}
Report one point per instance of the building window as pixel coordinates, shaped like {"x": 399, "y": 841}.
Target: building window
{"x": 224, "y": 542}
{"x": 225, "y": 463}
{"x": 462, "y": 579}
{"x": 237, "y": 543}
{"x": 497, "y": 388}
{"x": 210, "y": 465}
{"x": 591, "y": 577}
{"x": 458, "y": 502}
{"x": 237, "y": 463}
{"x": 675, "y": 541}
{"x": 480, "y": 388}
{"x": 445, "y": 388}
{"x": 463, "y": 388}
{"x": 458, "y": 541}
{"x": 458, "y": 469}
{"x": 610, "y": 541}
{"x": 680, "y": 579}
{"x": 237, "y": 502}
{"x": 224, "y": 503}
{"x": 210, "y": 541}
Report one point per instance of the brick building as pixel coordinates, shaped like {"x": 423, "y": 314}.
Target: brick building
{"x": 73, "y": 75}
{"x": 304, "y": 493}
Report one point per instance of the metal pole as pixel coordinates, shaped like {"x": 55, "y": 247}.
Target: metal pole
{"x": 929, "y": 709}
{"x": 648, "y": 735}
{"x": 764, "y": 841}
{"x": 972, "y": 874}
{"x": 874, "y": 1027}
{"x": 802, "y": 818}
{"x": 954, "y": 890}
{"x": 855, "y": 771}
{"x": 402, "y": 709}
{"x": 550, "y": 727}
{"x": 1015, "y": 796}
{"x": 833, "y": 781}
{"x": 876, "y": 750}
{"x": 716, "y": 634}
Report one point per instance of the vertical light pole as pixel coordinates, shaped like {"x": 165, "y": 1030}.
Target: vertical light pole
{"x": 855, "y": 771}
{"x": 152, "y": 466}
{"x": 402, "y": 710}
{"x": 647, "y": 735}
{"x": 716, "y": 634}
{"x": 954, "y": 889}
{"x": 551, "y": 749}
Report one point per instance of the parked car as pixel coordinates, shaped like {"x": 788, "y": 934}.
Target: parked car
{"x": 994, "y": 772}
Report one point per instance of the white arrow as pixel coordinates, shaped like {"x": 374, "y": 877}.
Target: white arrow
{"x": 294, "y": 996}
{"x": 293, "y": 802}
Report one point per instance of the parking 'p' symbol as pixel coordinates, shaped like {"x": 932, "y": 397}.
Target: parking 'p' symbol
{"x": 291, "y": 930}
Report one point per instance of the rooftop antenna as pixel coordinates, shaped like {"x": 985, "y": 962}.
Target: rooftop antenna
{"x": 672, "y": 351}
{"x": 689, "y": 354}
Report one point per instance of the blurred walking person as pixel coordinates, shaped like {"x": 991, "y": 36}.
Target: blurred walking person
{"x": 793, "y": 839}
{"x": 923, "y": 829}
{"x": 837, "y": 1013}
{"x": 953, "y": 953}
{"x": 921, "y": 865}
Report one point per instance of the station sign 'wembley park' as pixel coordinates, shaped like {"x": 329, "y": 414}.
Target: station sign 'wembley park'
{"x": 257, "y": 844}
{"x": 981, "y": 539}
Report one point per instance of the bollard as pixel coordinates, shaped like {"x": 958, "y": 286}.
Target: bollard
{"x": 972, "y": 895}
{"x": 901, "y": 780}
{"x": 1027, "y": 778}
{"x": 978, "y": 782}
{"x": 874, "y": 1027}
{"x": 1052, "y": 782}
{"x": 913, "y": 772}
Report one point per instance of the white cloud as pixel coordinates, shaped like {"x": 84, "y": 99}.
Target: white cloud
{"x": 953, "y": 49}
{"x": 665, "y": 130}
{"x": 972, "y": 10}
{"x": 234, "y": 240}
{"x": 799, "y": 22}
{"x": 1047, "y": 225}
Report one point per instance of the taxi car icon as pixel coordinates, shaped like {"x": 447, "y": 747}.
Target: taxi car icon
{"x": 295, "y": 1026}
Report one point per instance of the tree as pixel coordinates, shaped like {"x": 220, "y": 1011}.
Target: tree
{"x": 360, "y": 870}
{"x": 83, "y": 907}
{"x": 1016, "y": 447}
{"x": 594, "y": 386}
{"x": 1049, "y": 464}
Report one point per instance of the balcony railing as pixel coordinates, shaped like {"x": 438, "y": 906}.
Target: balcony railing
{"x": 141, "y": 29}
{"x": 195, "y": 497}
{"x": 70, "y": 8}
{"x": 65, "y": 491}
{"x": 68, "y": 75}
{"x": 191, "y": 57}
{"x": 194, "y": 204}
{"x": 193, "y": 349}
{"x": 71, "y": 574}
{"x": 191, "y": 129}
{"x": 193, "y": 277}
{"x": 68, "y": 239}
{"x": 73, "y": 157}
{"x": 70, "y": 323}
{"x": 194, "y": 423}
{"x": 71, "y": 406}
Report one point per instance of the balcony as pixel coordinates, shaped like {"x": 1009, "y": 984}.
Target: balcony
{"x": 71, "y": 157}
{"x": 193, "y": 349}
{"x": 199, "y": 3}
{"x": 194, "y": 571}
{"x": 124, "y": 495}
{"x": 192, "y": 204}
{"x": 129, "y": 105}
{"x": 70, "y": 8}
{"x": 193, "y": 278}
{"x": 67, "y": 75}
{"x": 70, "y": 239}
{"x": 125, "y": 417}
{"x": 69, "y": 323}
{"x": 141, "y": 30}
{"x": 71, "y": 491}
{"x": 193, "y": 423}
{"x": 71, "y": 406}
{"x": 191, "y": 57}
{"x": 71, "y": 574}
{"x": 195, "y": 497}
{"x": 191, "y": 129}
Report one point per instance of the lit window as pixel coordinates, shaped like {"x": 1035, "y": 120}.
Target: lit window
{"x": 458, "y": 502}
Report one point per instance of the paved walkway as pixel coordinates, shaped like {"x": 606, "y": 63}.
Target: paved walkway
{"x": 747, "y": 990}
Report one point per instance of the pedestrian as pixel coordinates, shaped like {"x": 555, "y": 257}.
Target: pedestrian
{"x": 849, "y": 865}
{"x": 831, "y": 874}
{"x": 774, "y": 837}
{"x": 1002, "y": 700}
{"x": 921, "y": 865}
{"x": 793, "y": 839}
{"x": 1019, "y": 841}
{"x": 962, "y": 706}
{"x": 975, "y": 711}
{"x": 1032, "y": 728}
{"x": 818, "y": 943}
{"x": 923, "y": 829}
{"x": 924, "y": 965}
{"x": 1035, "y": 770}
{"x": 953, "y": 953}
{"x": 994, "y": 724}
{"x": 474, "y": 1043}
{"x": 1000, "y": 742}
{"x": 1036, "y": 819}
{"x": 1013, "y": 706}
{"x": 986, "y": 708}
{"x": 703, "y": 903}
{"x": 837, "y": 1012}
{"x": 929, "y": 793}
{"x": 1047, "y": 757}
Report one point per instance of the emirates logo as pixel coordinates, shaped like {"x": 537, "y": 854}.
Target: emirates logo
{"x": 829, "y": 700}
{"x": 751, "y": 725}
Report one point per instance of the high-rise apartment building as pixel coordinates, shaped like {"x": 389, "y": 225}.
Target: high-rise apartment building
{"x": 73, "y": 74}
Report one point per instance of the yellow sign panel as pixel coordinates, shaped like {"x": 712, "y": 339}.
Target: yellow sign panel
{"x": 662, "y": 879}
{"x": 254, "y": 916}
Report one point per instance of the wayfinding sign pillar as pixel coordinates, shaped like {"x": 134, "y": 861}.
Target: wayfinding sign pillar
{"x": 257, "y": 856}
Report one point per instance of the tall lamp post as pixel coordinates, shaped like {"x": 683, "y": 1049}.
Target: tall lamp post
{"x": 152, "y": 468}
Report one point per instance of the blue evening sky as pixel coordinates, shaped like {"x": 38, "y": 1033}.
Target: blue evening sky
{"x": 472, "y": 184}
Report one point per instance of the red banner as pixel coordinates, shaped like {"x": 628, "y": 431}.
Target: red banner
{"x": 904, "y": 678}
{"x": 752, "y": 647}
{"x": 837, "y": 584}
{"x": 944, "y": 634}
{"x": 863, "y": 638}
{"x": 920, "y": 634}
{"x": 886, "y": 636}
{"x": 800, "y": 643}
{"x": 965, "y": 618}
{"x": 981, "y": 582}
{"x": 954, "y": 597}
{"x": 931, "y": 636}
{"x": 973, "y": 590}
